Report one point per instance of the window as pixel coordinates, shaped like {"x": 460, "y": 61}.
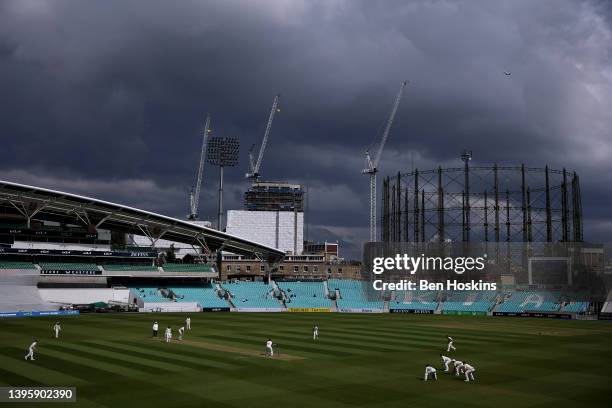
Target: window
{"x": 238, "y": 268}
{"x": 281, "y": 267}
{"x": 228, "y": 268}
{"x": 296, "y": 268}
{"x": 262, "y": 268}
{"x": 315, "y": 269}
{"x": 248, "y": 268}
{"x": 329, "y": 271}
{"x": 340, "y": 271}
{"x": 305, "y": 268}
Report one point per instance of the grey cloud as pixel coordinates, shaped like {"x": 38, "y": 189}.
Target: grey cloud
{"x": 115, "y": 92}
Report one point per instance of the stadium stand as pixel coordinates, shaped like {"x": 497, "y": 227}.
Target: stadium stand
{"x": 524, "y": 301}
{"x": 150, "y": 294}
{"x": 16, "y": 265}
{"x": 252, "y": 295}
{"x": 414, "y": 300}
{"x": 18, "y": 288}
{"x": 469, "y": 301}
{"x": 124, "y": 267}
{"x": 67, "y": 266}
{"x": 353, "y": 295}
{"x": 178, "y": 267}
{"x": 576, "y": 307}
{"x": 204, "y": 296}
{"x": 304, "y": 294}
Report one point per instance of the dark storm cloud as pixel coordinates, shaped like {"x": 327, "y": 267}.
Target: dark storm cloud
{"x": 108, "y": 98}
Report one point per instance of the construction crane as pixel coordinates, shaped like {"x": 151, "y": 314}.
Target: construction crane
{"x": 194, "y": 194}
{"x": 371, "y": 167}
{"x": 253, "y": 173}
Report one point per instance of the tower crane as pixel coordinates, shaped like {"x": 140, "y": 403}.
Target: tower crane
{"x": 194, "y": 194}
{"x": 371, "y": 166}
{"x": 253, "y": 172}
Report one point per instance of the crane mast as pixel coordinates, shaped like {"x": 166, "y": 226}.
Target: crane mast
{"x": 371, "y": 167}
{"x": 194, "y": 195}
{"x": 254, "y": 166}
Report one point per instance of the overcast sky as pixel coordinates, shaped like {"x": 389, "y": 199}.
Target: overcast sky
{"x": 108, "y": 98}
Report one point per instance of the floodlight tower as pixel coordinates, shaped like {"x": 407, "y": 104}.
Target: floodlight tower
{"x": 222, "y": 152}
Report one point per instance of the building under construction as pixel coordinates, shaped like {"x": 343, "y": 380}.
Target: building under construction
{"x": 273, "y": 196}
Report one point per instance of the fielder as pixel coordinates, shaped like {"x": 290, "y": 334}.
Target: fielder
{"x": 181, "y": 332}
{"x": 445, "y": 361}
{"x": 155, "y": 329}
{"x": 468, "y": 370}
{"x": 31, "y": 351}
{"x": 459, "y": 367}
{"x": 315, "y": 332}
{"x": 450, "y": 344}
{"x": 56, "y": 329}
{"x": 168, "y": 334}
{"x": 188, "y": 323}
{"x": 430, "y": 372}
{"x": 269, "y": 348}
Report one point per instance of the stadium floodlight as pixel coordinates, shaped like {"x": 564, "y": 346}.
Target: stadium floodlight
{"x": 466, "y": 155}
{"x": 222, "y": 152}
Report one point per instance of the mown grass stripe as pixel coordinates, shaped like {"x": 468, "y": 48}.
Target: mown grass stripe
{"x": 332, "y": 350}
{"x": 195, "y": 361}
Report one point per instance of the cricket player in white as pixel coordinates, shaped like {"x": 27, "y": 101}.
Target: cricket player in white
{"x": 188, "y": 323}
{"x": 168, "y": 334}
{"x": 315, "y": 332}
{"x": 56, "y": 329}
{"x": 430, "y": 372}
{"x": 181, "y": 332}
{"x": 450, "y": 344}
{"x": 446, "y": 361}
{"x": 468, "y": 370}
{"x": 269, "y": 347}
{"x": 155, "y": 329}
{"x": 31, "y": 351}
{"x": 458, "y": 367}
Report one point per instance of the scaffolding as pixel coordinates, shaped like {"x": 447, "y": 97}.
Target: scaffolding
{"x": 272, "y": 196}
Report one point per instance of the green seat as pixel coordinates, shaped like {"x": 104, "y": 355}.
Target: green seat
{"x": 177, "y": 267}
{"x": 16, "y": 265}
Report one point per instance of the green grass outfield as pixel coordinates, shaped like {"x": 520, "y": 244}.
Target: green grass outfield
{"x": 360, "y": 360}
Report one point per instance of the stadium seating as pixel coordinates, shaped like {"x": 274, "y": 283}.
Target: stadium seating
{"x": 150, "y": 294}
{"x": 304, "y": 294}
{"x": 179, "y": 267}
{"x": 66, "y": 266}
{"x": 525, "y": 301}
{"x": 123, "y": 267}
{"x": 414, "y": 300}
{"x": 205, "y": 296}
{"x": 250, "y": 295}
{"x": 469, "y": 301}
{"x": 576, "y": 307}
{"x": 353, "y": 295}
{"x": 16, "y": 265}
